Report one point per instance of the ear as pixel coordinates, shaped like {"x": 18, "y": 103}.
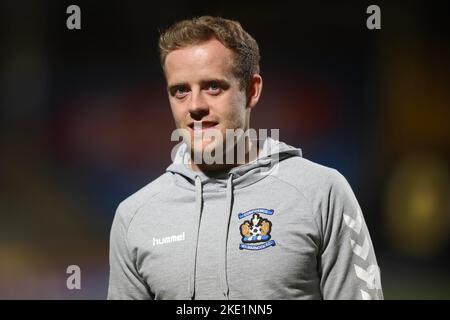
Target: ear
{"x": 254, "y": 90}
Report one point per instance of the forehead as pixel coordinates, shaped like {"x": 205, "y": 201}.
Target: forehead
{"x": 209, "y": 59}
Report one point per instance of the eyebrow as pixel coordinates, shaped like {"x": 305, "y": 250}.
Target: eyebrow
{"x": 224, "y": 83}
{"x": 221, "y": 81}
{"x": 175, "y": 86}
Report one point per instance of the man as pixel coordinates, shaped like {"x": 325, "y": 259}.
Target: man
{"x": 272, "y": 226}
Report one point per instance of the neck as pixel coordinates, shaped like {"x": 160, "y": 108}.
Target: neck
{"x": 250, "y": 155}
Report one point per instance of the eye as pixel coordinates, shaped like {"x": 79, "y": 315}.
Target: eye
{"x": 214, "y": 88}
{"x": 179, "y": 92}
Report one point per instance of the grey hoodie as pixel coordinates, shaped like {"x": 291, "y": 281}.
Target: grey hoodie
{"x": 279, "y": 227}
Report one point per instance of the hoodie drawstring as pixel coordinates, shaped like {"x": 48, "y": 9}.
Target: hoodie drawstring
{"x": 198, "y": 211}
{"x": 224, "y": 245}
{"x": 223, "y": 258}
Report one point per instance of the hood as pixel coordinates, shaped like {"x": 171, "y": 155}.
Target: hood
{"x": 271, "y": 154}
{"x": 273, "y": 151}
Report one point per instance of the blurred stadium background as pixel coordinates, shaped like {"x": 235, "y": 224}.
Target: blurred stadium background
{"x": 85, "y": 122}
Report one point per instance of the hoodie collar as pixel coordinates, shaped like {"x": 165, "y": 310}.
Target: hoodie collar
{"x": 273, "y": 151}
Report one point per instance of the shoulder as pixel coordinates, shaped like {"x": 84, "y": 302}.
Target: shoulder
{"x": 322, "y": 187}
{"x": 128, "y": 208}
{"x": 325, "y": 189}
{"x": 310, "y": 177}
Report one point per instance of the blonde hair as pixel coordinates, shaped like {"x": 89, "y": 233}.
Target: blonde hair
{"x": 229, "y": 32}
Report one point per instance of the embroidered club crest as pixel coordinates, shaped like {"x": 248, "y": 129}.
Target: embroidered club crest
{"x": 255, "y": 232}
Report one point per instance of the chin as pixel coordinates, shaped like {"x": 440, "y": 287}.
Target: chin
{"x": 205, "y": 148}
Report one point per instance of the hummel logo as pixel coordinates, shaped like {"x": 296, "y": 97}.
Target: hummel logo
{"x": 169, "y": 239}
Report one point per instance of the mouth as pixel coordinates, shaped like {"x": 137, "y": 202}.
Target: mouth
{"x": 201, "y": 126}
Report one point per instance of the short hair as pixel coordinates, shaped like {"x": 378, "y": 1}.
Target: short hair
{"x": 229, "y": 32}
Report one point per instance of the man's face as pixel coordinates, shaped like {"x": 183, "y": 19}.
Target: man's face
{"x": 203, "y": 92}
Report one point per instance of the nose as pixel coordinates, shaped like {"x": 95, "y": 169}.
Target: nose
{"x": 198, "y": 107}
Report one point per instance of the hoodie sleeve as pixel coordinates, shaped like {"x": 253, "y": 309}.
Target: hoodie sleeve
{"x": 348, "y": 266}
{"x": 124, "y": 280}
